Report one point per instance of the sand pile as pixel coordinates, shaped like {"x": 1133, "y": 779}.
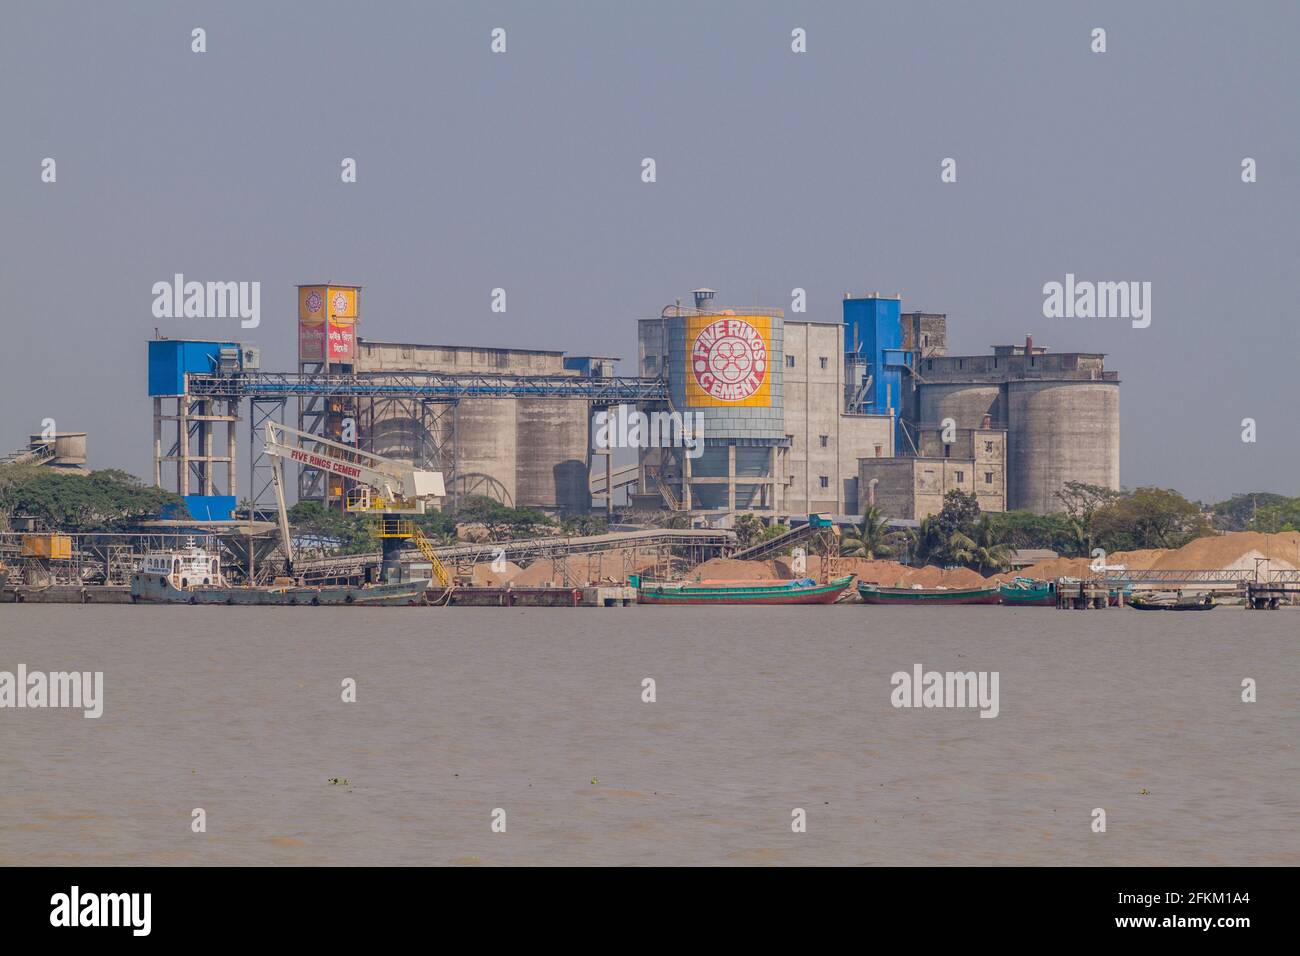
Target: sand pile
{"x": 485, "y": 577}
{"x": 609, "y": 567}
{"x": 1054, "y": 568}
{"x": 729, "y": 569}
{"x": 1236, "y": 551}
{"x": 1137, "y": 560}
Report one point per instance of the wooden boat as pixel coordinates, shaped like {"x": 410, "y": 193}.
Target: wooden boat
{"x": 795, "y": 591}
{"x": 875, "y": 594}
{"x": 1026, "y": 592}
{"x": 1178, "y": 602}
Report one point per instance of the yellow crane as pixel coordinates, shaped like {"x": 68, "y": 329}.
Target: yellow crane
{"x": 389, "y": 491}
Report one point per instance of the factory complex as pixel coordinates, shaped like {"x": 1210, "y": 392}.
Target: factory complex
{"x": 783, "y": 416}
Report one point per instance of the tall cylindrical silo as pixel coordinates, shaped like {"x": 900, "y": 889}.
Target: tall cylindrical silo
{"x": 1060, "y": 431}
{"x": 551, "y": 458}
{"x": 485, "y": 448}
{"x": 965, "y": 403}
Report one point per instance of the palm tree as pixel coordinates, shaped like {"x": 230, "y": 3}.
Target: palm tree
{"x": 989, "y": 548}
{"x": 871, "y": 538}
{"x": 923, "y": 541}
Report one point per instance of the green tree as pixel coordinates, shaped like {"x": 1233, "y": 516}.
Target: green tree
{"x": 989, "y": 547}
{"x": 1239, "y": 511}
{"x": 503, "y": 522}
{"x": 105, "y": 500}
{"x": 1149, "y": 518}
{"x": 871, "y": 538}
{"x": 1082, "y": 503}
{"x": 958, "y": 516}
{"x": 748, "y": 530}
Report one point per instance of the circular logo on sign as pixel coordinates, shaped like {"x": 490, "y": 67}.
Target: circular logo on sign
{"x": 729, "y": 360}
{"x": 313, "y": 301}
{"x": 340, "y": 303}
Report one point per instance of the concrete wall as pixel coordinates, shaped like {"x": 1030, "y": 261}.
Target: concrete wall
{"x": 895, "y": 492}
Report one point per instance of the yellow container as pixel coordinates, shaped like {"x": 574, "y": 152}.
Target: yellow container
{"x": 53, "y": 546}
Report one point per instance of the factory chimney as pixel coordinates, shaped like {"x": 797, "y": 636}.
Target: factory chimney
{"x": 1029, "y": 343}
{"x": 704, "y": 299}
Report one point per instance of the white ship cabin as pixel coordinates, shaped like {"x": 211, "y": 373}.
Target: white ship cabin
{"x": 185, "y": 568}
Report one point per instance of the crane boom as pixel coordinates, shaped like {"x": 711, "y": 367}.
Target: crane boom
{"x": 401, "y": 488}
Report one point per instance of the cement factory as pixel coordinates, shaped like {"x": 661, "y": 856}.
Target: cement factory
{"x": 800, "y": 416}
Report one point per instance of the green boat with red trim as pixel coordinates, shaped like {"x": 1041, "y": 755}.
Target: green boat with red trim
{"x": 795, "y": 591}
{"x": 1027, "y": 592}
{"x": 932, "y": 597}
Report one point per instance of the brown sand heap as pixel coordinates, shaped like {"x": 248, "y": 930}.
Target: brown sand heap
{"x": 888, "y": 573}
{"x": 730, "y": 569}
{"x": 485, "y": 577}
{"x": 607, "y": 567}
{"x": 1235, "y": 551}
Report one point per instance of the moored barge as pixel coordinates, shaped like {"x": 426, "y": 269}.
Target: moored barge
{"x": 795, "y": 591}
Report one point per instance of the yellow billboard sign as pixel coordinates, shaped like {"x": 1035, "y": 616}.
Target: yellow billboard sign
{"x": 327, "y": 318}
{"x": 728, "y": 360}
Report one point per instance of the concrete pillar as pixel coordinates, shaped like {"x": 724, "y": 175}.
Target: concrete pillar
{"x": 207, "y": 428}
{"x": 686, "y": 480}
{"x": 232, "y": 409}
{"x": 157, "y": 441}
{"x": 731, "y": 479}
{"x": 183, "y": 443}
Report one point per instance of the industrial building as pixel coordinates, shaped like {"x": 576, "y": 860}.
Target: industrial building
{"x": 1060, "y": 412}
{"x": 782, "y": 430}
{"x": 522, "y": 451}
{"x": 798, "y": 415}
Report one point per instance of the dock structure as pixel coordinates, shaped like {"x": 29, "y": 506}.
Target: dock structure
{"x": 1082, "y": 595}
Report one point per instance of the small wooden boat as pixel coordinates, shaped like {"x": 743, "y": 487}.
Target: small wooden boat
{"x": 1026, "y": 592}
{"x": 796, "y": 591}
{"x": 1178, "y": 602}
{"x": 875, "y": 594}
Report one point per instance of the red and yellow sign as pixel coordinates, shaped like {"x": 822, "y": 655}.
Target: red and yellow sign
{"x": 729, "y": 360}
{"x": 327, "y": 322}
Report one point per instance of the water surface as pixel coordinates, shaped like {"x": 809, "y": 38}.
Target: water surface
{"x": 760, "y": 710}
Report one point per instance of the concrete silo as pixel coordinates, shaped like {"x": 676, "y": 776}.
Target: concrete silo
{"x": 551, "y": 457}
{"x": 965, "y": 403}
{"x": 1060, "y": 431}
{"x": 724, "y": 366}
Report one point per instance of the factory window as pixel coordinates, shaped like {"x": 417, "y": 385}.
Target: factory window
{"x": 880, "y": 451}
{"x": 988, "y": 448}
{"x": 789, "y": 361}
{"x": 925, "y": 340}
{"x": 824, "y": 439}
{"x": 988, "y": 477}
{"x": 961, "y": 476}
{"x": 825, "y": 482}
{"x": 929, "y": 365}
{"x": 825, "y": 362}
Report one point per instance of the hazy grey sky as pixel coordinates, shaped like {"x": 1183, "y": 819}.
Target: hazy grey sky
{"x": 775, "y": 170}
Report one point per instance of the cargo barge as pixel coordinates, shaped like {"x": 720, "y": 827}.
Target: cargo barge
{"x": 795, "y": 591}
{"x": 926, "y": 597}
